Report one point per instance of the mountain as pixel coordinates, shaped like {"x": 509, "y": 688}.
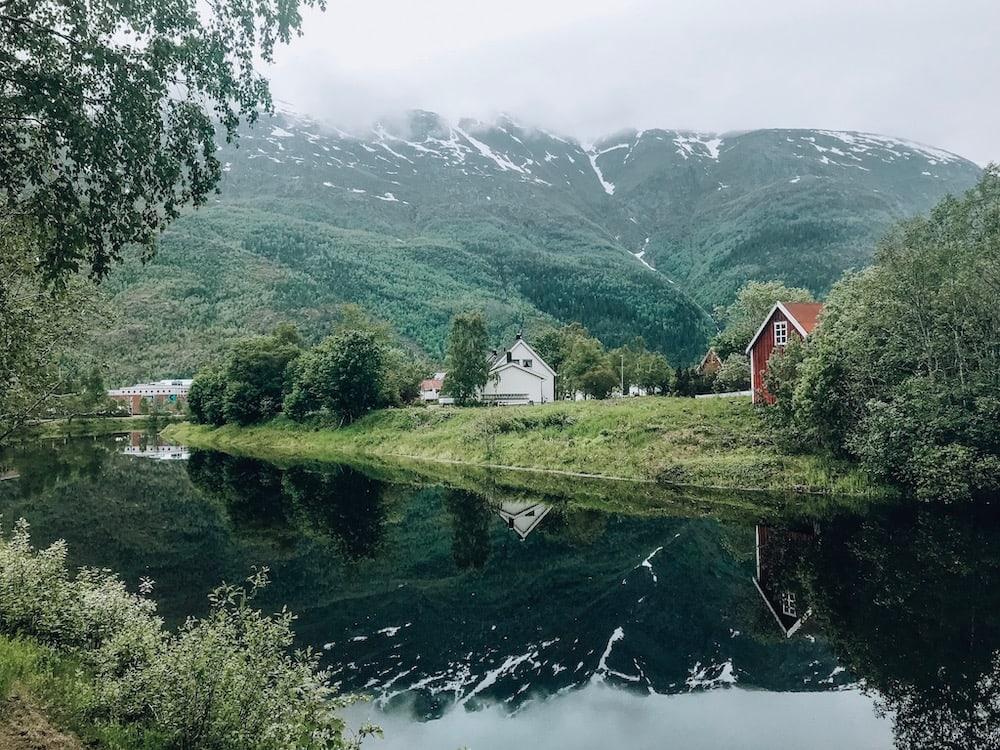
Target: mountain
{"x": 640, "y": 233}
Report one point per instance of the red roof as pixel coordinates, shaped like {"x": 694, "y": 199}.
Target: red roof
{"x": 804, "y": 316}
{"x": 806, "y": 313}
{"x": 431, "y": 384}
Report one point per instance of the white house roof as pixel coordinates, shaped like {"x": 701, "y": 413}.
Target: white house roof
{"x": 519, "y": 340}
{"x": 514, "y": 365}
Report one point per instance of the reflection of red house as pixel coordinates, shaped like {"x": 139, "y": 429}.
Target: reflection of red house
{"x": 786, "y": 319}
{"x": 778, "y": 554}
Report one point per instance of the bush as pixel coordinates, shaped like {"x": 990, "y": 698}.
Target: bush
{"x": 734, "y": 375}
{"x": 227, "y": 681}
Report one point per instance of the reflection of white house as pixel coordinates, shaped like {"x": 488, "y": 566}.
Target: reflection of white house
{"x": 146, "y": 446}
{"x": 522, "y": 516}
{"x": 519, "y": 376}
{"x": 158, "y": 452}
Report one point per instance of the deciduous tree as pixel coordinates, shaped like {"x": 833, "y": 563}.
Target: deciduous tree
{"x": 466, "y": 362}
{"x": 109, "y": 111}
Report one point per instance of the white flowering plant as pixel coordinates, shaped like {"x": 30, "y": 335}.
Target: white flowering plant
{"x": 228, "y": 681}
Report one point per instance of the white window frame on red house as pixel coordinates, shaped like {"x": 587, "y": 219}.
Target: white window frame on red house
{"x": 781, "y": 333}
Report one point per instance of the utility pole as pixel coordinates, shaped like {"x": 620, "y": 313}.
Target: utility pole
{"x": 623, "y": 374}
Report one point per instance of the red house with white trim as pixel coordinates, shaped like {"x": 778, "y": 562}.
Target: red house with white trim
{"x": 785, "y": 320}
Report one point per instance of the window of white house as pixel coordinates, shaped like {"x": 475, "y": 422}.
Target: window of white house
{"x": 527, "y": 363}
{"x": 788, "y": 604}
{"x": 780, "y": 332}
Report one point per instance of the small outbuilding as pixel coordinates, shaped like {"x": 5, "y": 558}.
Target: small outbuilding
{"x": 785, "y": 321}
{"x": 430, "y": 388}
{"x": 710, "y": 363}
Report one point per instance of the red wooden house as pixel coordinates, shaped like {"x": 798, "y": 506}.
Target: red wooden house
{"x": 785, "y": 320}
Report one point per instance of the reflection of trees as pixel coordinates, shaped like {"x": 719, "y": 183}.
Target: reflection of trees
{"x": 333, "y": 502}
{"x": 576, "y": 527}
{"x": 910, "y": 598}
{"x": 471, "y": 517}
{"x": 343, "y": 504}
{"x": 250, "y": 489}
{"x": 43, "y": 465}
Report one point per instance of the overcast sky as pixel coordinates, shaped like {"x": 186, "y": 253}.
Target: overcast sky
{"x": 928, "y": 70}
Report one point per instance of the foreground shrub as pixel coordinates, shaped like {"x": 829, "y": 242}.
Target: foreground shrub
{"x": 228, "y": 681}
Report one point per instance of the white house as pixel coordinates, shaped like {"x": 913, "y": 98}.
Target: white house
{"x": 519, "y": 376}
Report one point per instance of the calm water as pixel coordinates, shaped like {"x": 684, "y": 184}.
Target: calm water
{"x": 482, "y": 611}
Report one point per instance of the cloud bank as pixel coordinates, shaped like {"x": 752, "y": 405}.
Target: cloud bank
{"x": 927, "y": 71}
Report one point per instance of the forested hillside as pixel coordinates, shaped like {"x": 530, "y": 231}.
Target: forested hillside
{"x": 637, "y": 235}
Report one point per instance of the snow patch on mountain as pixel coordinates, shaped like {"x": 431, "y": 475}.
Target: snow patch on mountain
{"x": 592, "y": 155}
{"x": 698, "y": 144}
{"x": 501, "y": 160}
{"x": 889, "y": 147}
{"x": 602, "y": 664}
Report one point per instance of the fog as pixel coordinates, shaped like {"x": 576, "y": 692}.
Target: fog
{"x": 928, "y": 71}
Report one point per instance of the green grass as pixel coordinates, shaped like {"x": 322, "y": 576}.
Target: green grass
{"x": 55, "y": 690}
{"x": 710, "y": 443}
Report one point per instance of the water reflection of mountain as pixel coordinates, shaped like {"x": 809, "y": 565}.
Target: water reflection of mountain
{"x": 441, "y": 595}
{"x": 433, "y": 594}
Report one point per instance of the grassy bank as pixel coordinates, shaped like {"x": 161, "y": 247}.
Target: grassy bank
{"x": 706, "y": 442}
{"x": 43, "y": 702}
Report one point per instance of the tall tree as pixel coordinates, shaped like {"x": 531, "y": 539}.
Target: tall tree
{"x": 466, "y": 362}
{"x": 344, "y": 374}
{"x": 587, "y": 368}
{"x": 108, "y": 113}
{"x": 37, "y": 326}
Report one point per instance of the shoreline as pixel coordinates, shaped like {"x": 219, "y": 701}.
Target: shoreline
{"x": 707, "y": 444}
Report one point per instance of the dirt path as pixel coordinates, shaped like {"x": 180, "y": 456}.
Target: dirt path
{"x": 24, "y": 727}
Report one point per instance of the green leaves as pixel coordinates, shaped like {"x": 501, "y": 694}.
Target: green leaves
{"x": 467, "y": 363}
{"x": 345, "y": 374}
{"x": 229, "y": 681}
{"x": 904, "y": 369}
{"x": 109, "y": 111}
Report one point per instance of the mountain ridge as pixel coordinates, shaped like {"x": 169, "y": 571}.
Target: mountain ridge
{"x": 639, "y": 234}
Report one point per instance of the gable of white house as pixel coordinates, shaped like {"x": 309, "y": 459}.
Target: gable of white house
{"x": 519, "y": 376}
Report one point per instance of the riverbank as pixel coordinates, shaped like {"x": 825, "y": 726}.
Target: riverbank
{"x": 711, "y": 443}
{"x": 29, "y": 671}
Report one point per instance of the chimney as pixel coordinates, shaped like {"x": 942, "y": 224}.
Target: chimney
{"x": 518, "y": 336}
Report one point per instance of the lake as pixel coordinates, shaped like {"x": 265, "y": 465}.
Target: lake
{"x": 489, "y": 610}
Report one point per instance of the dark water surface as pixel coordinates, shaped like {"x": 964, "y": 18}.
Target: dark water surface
{"x": 494, "y": 614}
